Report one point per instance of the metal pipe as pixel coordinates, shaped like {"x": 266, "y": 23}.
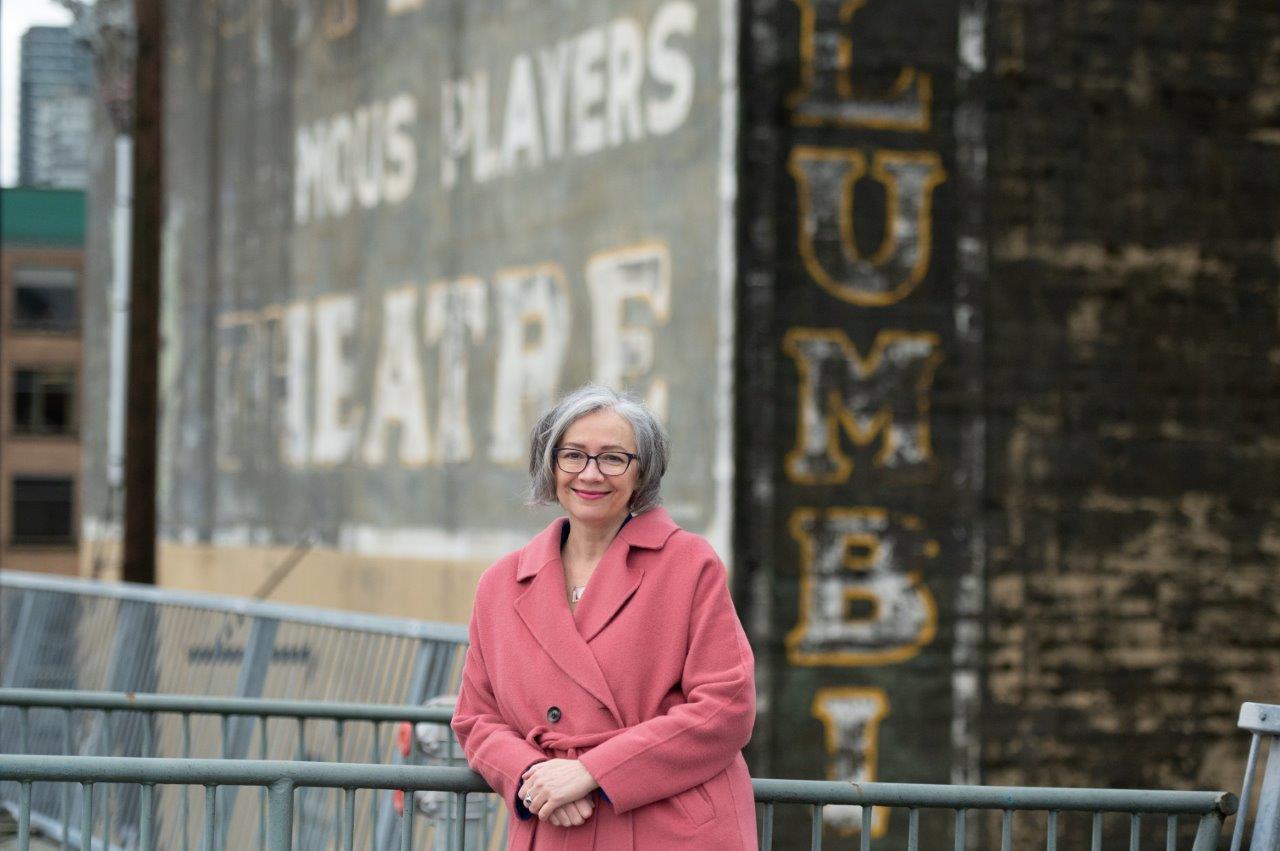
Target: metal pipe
{"x": 223, "y": 706}
{"x": 280, "y": 811}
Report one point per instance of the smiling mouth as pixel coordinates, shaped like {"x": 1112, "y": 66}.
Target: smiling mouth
{"x": 590, "y": 494}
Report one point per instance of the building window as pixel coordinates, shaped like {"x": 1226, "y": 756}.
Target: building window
{"x": 42, "y": 510}
{"x": 44, "y": 401}
{"x": 45, "y": 299}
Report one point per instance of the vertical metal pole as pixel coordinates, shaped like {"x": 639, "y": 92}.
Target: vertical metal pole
{"x": 1266, "y": 824}
{"x": 349, "y": 819}
{"x": 144, "y": 817}
{"x": 815, "y": 828}
{"x": 120, "y": 240}
{"x": 144, "y": 319}
{"x": 186, "y": 790}
{"x": 406, "y": 821}
{"x": 210, "y": 817}
{"x": 375, "y": 758}
{"x": 766, "y": 839}
{"x": 1135, "y": 830}
{"x": 339, "y": 811}
{"x": 86, "y": 816}
{"x": 1171, "y": 833}
{"x": 24, "y": 726}
{"x": 262, "y": 790}
{"x": 280, "y": 828}
{"x": 460, "y": 826}
{"x": 24, "y": 816}
{"x": 864, "y": 841}
{"x": 1096, "y": 843}
{"x": 107, "y": 788}
{"x": 913, "y": 829}
{"x": 1006, "y": 831}
{"x": 1246, "y": 793}
{"x": 65, "y": 788}
{"x": 962, "y": 835}
{"x": 1207, "y": 832}
{"x": 1051, "y": 843}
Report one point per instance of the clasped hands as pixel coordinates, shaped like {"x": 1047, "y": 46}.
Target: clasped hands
{"x": 560, "y": 789}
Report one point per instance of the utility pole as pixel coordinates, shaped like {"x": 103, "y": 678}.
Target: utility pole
{"x": 144, "y": 299}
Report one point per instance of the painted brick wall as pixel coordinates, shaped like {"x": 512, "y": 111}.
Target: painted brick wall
{"x": 1102, "y": 464}
{"x": 1133, "y": 389}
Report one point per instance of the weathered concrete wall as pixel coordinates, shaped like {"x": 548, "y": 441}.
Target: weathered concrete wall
{"x": 1133, "y": 389}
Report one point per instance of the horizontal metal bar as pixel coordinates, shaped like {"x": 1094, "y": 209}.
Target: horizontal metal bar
{"x": 993, "y": 797}
{"x": 314, "y": 616}
{"x": 225, "y": 706}
{"x": 84, "y": 769}
{"x": 238, "y": 772}
{"x": 1260, "y": 718}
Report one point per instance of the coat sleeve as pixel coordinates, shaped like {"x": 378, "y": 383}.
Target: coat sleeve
{"x": 695, "y": 740}
{"x": 494, "y": 750}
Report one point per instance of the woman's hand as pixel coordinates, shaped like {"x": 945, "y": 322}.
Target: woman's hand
{"x": 554, "y": 783}
{"x": 574, "y": 813}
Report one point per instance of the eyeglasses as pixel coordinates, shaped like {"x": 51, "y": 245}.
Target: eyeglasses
{"x": 608, "y": 463}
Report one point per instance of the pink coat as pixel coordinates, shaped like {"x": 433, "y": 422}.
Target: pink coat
{"x": 650, "y": 682}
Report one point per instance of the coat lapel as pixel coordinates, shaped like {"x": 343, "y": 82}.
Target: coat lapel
{"x": 612, "y": 584}
{"x": 545, "y": 612}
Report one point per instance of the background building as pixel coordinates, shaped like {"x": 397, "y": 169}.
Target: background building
{"x": 964, "y": 315}
{"x": 56, "y": 81}
{"x": 41, "y": 284}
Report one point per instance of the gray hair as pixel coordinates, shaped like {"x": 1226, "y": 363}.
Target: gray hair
{"x": 652, "y": 444}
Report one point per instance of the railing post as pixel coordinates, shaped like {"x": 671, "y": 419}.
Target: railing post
{"x": 1207, "y": 833}
{"x": 24, "y": 817}
{"x": 146, "y": 805}
{"x": 280, "y": 816}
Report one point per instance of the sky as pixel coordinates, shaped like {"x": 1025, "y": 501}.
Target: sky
{"x": 15, "y": 17}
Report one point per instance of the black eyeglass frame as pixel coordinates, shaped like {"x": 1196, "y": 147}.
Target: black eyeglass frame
{"x": 631, "y": 456}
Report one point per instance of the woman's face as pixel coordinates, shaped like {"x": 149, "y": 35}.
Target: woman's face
{"x": 590, "y": 497}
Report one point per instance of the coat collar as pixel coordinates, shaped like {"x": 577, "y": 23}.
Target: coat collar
{"x": 648, "y": 530}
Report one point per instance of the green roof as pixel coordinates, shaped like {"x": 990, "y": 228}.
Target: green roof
{"x": 30, "y": 216}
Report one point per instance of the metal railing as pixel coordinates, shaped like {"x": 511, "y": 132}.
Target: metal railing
{"x": 282, "y": 780}
{"x": 1262, "y": 720}
{"x": 1208, "y": 809}
{"x": 190, "y": 726}
{"x": 73, "y": 634}
{"x": 67, "y": 633}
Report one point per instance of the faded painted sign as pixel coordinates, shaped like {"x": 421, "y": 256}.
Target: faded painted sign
{"x": 860, "y": 479}
{"x": 401, "y": 229}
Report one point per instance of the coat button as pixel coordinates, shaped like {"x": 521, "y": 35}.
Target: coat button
{"x": 553, "y": 714}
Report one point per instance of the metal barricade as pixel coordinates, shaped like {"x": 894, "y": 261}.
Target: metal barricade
{"x": 73, "y": 634}
{"x": 283, "y": 780}
{"x": 173, "y": 726}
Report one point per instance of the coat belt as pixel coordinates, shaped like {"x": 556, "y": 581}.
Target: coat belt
{"x": 546, "y": 739}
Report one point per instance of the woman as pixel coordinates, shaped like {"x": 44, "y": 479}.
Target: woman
{"x": 609, "y": 687}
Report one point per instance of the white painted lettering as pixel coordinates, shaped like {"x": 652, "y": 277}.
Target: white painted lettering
{"x": 623, "y": 350}
{"x": 670, "y": 67}
{"x": 397, "y": 384}
{"x": 533, "y": 327}
{"x": 456, "y": 319}
{"x": 626, "y": 74}
{"x": 337, "y": 419}
{"x": 588, "y": 91}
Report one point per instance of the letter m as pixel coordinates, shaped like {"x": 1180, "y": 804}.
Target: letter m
{"x": 883, "y": 396}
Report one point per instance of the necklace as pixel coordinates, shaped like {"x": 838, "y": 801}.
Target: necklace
{"x": 575, "y": 593}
